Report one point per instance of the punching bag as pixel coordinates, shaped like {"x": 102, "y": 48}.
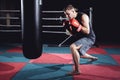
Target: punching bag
{"x": 31, "y": 28}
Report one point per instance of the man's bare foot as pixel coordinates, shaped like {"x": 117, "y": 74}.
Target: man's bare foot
{"x": 74, "y": 73}
{"x": 93, "y": 59}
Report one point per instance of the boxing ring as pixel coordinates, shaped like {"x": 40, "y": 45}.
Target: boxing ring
{"x": 32, "y": 60}
{"x": 35, "y": 24}
{"x": 60, "y": 19}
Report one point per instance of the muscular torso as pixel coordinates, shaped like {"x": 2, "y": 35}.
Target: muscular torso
{"x": 81, "y": 34}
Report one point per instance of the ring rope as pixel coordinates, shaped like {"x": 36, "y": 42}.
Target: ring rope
{"x": 52, "y": 11}
{"x": 59, "y": 32}
{"x": 54, "y": 18}
{"x": 10, "y": 30}
{"x": 52, "y": 26}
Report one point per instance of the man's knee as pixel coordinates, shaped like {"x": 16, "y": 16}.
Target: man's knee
{"x": 72, "y": 46}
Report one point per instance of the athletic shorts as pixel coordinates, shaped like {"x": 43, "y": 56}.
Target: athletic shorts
{"x": 86, "y": 44}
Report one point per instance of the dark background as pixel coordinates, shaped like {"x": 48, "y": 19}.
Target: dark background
{"x": 106, "y": 17}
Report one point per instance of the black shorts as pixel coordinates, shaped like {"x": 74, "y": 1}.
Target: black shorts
{"x": 86, "y": 44}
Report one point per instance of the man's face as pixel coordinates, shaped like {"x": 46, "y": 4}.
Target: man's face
{"x": 70, "y": 13}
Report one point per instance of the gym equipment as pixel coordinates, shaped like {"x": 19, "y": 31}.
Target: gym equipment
{"x": 31, "y": 28}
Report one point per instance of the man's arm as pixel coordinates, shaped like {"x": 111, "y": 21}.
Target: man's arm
{"x": 85, "y": 24}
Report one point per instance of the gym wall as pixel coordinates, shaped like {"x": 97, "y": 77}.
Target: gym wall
{"x": 105, "y": 20}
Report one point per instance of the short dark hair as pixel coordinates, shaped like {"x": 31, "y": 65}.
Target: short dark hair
{"x": 69, "y": 7}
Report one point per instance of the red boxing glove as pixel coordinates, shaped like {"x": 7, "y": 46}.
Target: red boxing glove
{"x": 76, "y": 24}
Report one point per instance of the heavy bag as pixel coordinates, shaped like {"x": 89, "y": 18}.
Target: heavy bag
{"x": 31, "y": 28}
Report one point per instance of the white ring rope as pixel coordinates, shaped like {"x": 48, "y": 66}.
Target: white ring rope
{"x": 61, "y": 18}
{"x": 59, "y": 32}
{"x": 64, "y": 40}
{"x": 52, "y": 11}
{"x": 52, "y": 26}
{"x": 10, "y": 30}
{"x": 9, "y": 10}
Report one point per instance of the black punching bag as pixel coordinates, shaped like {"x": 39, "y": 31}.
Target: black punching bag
{"x": 31, "y": 28}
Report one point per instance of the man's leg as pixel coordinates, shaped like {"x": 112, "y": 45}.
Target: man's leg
{"x": 76, "y": 58}
{"x": 87, "y": 56}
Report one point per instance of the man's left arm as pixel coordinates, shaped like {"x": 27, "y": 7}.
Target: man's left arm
{"x": 85, "y": 24}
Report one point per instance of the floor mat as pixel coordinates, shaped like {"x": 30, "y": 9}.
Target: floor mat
{"x": 44, "y": 72}
{"x": 53, "y": 58}
{"x": 98, "y": 72}
{"x": 8, "y": 70}
{"x": 55, "y": 62}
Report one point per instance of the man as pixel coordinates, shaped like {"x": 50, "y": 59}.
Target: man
{"x": 78, "y": 25}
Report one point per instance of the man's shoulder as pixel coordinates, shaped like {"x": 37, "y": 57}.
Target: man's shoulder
{"x": 80, "y": 14}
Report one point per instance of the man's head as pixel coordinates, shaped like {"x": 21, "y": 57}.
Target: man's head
{"x": 70, "y": 11}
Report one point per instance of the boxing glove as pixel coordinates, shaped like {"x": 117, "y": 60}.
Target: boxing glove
{"x": 75, "y": 24}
